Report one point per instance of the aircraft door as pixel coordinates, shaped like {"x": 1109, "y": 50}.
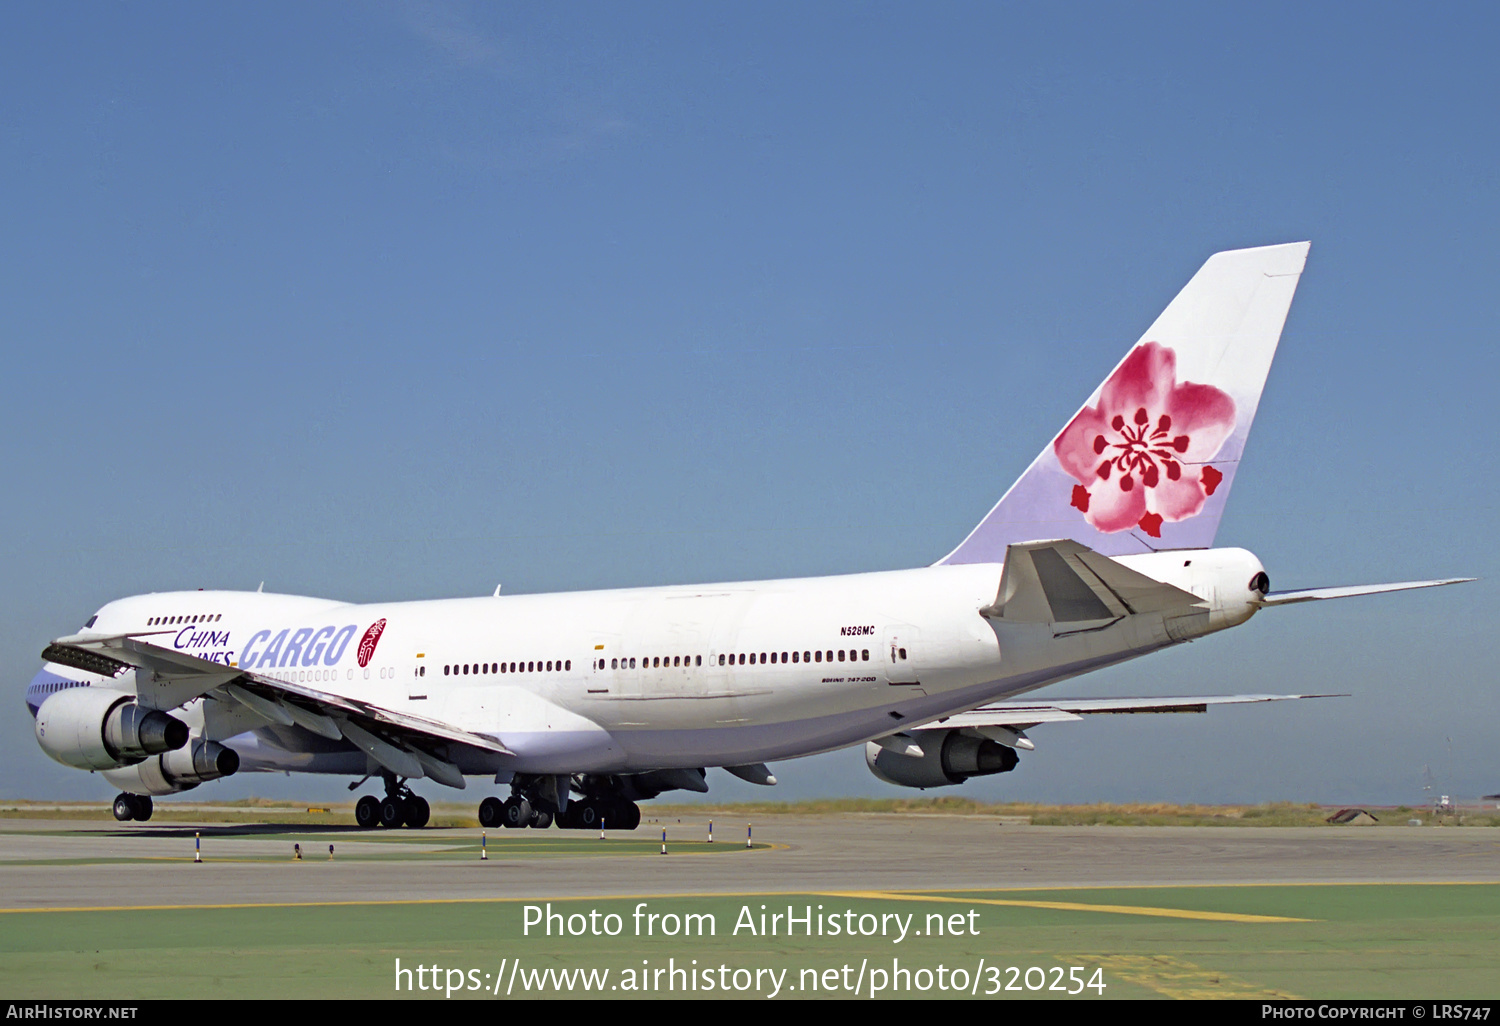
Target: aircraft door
{"x": 899, "y": 658}
{"x": 600, "y": 680}
{"x": 609, "y": 674}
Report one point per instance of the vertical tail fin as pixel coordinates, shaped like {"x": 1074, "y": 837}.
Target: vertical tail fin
{"x": 1148, "y": 462}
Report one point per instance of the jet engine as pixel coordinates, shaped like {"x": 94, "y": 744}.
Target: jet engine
{"x": 179, "y": 770}
{"x": 101, "y": 728}
{"x": 948, "y": 757}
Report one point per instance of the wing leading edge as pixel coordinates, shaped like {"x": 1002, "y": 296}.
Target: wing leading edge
{"x": 1030, "y": 713}
{"x": 1007, "y": 722}
{"x": 1285, "y": 598}
{"x": 406, "y": 745}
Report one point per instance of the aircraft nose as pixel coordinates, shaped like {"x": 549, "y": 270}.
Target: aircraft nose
{"x": 35, "y": 692}
{"x": 42, "y": 686}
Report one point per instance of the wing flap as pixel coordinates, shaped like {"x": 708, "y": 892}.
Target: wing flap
{"x": 393, "y": 757}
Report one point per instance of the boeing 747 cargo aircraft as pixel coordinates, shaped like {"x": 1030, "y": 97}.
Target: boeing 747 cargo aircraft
{"x": 583, "y": 704}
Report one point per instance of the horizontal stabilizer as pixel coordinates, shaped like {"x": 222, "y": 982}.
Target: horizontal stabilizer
{"x": 1286, "y": 598}
{"x": 1067, "y": 583}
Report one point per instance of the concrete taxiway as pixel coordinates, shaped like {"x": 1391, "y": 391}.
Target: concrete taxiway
{"x": 52, "y": 864}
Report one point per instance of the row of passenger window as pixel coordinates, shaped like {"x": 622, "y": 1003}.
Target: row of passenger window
{"x": 852, "y": 655}
{"x": 664, "y": 662}
{"x": 654, "y": 662}
{"x": 743, "y": 659}
{"x": 54, "y": 687}
{"x": 534, "y": 666}
{"x": 157, "y": 621}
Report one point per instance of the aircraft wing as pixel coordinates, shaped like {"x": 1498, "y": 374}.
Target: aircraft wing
{"x": 1021, "y": 712}
{"x": 165, "y": 679}
{"x": 1006, "y": 722}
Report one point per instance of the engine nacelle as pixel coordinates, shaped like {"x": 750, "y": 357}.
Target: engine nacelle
{"x": 101, "y": 728}
{"x": 179, "y": 770}
{"x": 948, "y": 757}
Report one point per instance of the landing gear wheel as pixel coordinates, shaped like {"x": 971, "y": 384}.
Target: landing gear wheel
{"x": 590, "y": 813}
{"x": 392, "y": 812}
{"x": 143, "y": 807}
{"x": 541, "y": 820}
{"x": 516, "y": 813}
{"x": 367, "y": 812}
{"x": 567, "y": 819}
{"x": 124, "y": 808}
{"x": 623, "y": 816}
{"x": 418, "y": 812}
{"x": 491, "y": 813}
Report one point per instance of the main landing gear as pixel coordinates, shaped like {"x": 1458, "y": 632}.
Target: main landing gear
{"x": 533, "y": 802}
{"x": 515, "y": 813}
{"x": 133, "y": 806}
{"x": 399, "y": 808}
{"x": 600, "y": 813}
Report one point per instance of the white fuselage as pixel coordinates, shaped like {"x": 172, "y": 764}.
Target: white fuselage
{"x": 655, "y": 678}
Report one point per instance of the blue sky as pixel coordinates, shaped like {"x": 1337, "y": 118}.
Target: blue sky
{"x": 405, "y": 300}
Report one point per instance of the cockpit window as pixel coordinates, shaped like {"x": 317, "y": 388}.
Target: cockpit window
{"x": 91, "y": 621}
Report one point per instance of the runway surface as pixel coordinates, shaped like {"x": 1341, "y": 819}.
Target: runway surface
{"x": 53, "y": 864}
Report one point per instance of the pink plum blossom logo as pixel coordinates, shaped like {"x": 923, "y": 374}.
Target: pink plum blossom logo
{"x": 1141, "y": 456}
